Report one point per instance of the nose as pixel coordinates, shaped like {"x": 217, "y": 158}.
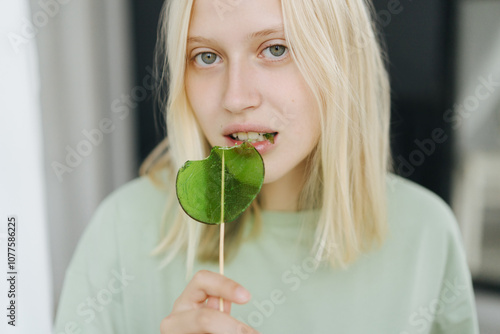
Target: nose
{"x": 241, "y": 91}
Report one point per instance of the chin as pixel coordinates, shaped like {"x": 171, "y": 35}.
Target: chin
{"x": 270, "y": 178}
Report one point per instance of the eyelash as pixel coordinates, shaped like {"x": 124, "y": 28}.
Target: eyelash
{"x": 280, "y": 58}
{"x": 283, "y": 56}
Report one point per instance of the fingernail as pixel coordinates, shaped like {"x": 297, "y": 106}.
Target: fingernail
{"x": 242, "y": 294}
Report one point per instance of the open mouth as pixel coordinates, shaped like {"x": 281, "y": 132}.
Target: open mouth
{"x": 254, "y": 136}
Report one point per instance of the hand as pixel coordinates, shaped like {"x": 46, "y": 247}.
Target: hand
{"x": 197, "y": 308}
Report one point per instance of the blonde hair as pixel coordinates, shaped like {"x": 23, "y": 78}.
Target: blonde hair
{"x": 336, "y": 49}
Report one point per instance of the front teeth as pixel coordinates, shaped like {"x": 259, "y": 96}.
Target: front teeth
{"x": 242, "y": 135}
{"x": 253, "y": 136}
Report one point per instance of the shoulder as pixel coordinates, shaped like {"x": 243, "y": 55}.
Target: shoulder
{"x": 135, "y": 206}
{"x": 139, "y": 199}
{"x": 136, "y": 198}
{"x": 420, "y": 221}
{"x": 427, "y": 241}
{"x": 131, "y": 210}
{"x": 414, "y": 207}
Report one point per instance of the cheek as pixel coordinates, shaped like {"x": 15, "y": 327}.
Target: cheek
{"x": 308, "y": 122}
{"x": 303, "y": 110}
{"x": 201, "y": 96}
{"x": 309, "y": 110}
{"x": 193, "y": 91}
{"x": 314, "y": 127}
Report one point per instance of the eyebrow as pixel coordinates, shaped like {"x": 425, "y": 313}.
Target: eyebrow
{"x": 257, "y": 34}
{"x": 266, "y": 32}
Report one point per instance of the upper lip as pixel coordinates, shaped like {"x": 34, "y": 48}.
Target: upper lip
{"x": 234, "y": 128}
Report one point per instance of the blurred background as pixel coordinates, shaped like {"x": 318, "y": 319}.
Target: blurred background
{"x": 79, "y": 118}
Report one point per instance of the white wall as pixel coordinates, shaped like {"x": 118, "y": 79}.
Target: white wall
{"x": 22, "y": 186}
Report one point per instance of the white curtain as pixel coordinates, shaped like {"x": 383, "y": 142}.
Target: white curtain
{"x": 28, "y": 290}
{"x": 477, "y": 126}
{"x": 478, "y": 74}
{"x": 87, "y": 112}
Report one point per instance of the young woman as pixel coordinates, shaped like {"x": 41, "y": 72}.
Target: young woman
{"x": 334, "y": 241}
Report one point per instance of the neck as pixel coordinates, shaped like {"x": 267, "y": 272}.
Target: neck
{"x": 283, "y": 194}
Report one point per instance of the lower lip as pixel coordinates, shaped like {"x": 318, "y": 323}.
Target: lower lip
{"x": 261, "y": 146}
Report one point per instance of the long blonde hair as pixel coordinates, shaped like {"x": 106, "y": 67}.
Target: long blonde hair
{"x": 336, "y": 48}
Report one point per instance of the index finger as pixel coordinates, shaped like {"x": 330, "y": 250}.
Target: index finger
{"x": 206, "y": 283}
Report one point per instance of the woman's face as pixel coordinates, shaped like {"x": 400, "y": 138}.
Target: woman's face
{"x": 241, "y": 81}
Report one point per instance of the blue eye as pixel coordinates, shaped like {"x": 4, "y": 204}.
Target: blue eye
{"x": 206, "y": 58}
{"x": 275, "y": 51}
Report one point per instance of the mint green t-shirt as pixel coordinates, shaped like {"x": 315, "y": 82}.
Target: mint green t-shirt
{"x": 417, "y": 282}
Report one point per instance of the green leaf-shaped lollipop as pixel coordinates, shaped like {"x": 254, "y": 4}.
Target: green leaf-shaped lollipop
{"x": 220, "y": 188}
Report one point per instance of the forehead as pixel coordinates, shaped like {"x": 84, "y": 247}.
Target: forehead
{"x": 218, "y": 18}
